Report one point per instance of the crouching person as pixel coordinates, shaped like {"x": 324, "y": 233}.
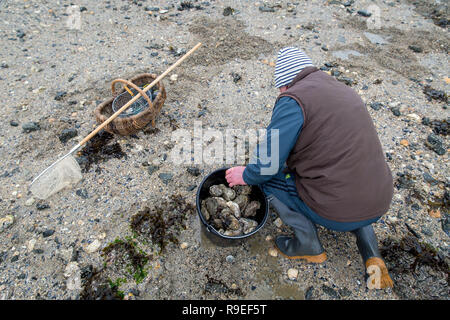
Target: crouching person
{"x": 327, "y": 165}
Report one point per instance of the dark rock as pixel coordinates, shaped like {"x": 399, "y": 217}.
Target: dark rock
{"x": 38, "y": 251}
{"x": 344, "y": 292}
{"x": 82, "y": 193}
{"x": 426, "y": 121}
{"x": 3, "y": 256}
{"x": 348, "y": 81}
{"x": 228, "y": 11}
{"x": 60, "y": 95}
{"x": 22, "y": 276}
{"x": 87, "y": 272}
{"x": 330, "y": 291}
{"x": 413, "y": 232}
{"x": 376, "y": 105}
{"x": 82, "y": 9}
{"x": 13, "y": 123}
{"x": 152, "y": 168}
{"x": 20, "y": 34}
{"x": 15, "y": 258}
{"x": 194, "y": 171}
{"x": 4, "y": 66}
{"x": 405, "y": 181}
{"x": 335, "y": 73}
{"x": 396, "y": 111}
{"x": 42, "y": 206}
{"x": 236, "y": 77}
{"x": 165, "y": 177}
{"x": 364, "y": 13}
{"x": 266, "y": 9}
{"x": 428, "y": 178}
{"x": 153, "y": 9}
{"x": 446, "y": 224}
{"x": 30, "y": 127}
{"x": 185, "y": 5}
{"x": 48, "y": 233}
{"x": 309, "y": 293}
{"x": 348, "y": 3}
{"x": 388, "y": 156}
{"x": 433, "y": 94}
{"x": 416, "y": 49}
{"x": 68, "y": 134}
{"x": 436, "y": 144}
{"x": 75, "y": 255}
{"x": 426, "y": 231}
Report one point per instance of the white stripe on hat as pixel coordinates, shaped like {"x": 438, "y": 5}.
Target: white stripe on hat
{"x": 290, "y": 61}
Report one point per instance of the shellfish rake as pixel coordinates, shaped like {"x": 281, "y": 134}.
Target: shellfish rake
{"x": 66, "y": 170}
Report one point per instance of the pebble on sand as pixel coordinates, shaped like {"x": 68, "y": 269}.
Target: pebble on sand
{"x": 184, "y": 245}
{"x": 273, "y": 252}
{"x": 93, "y": 246}
{"x": 292, "y": 274}
{"x": 278, "y": 222}
{"x": 6, "y": 221}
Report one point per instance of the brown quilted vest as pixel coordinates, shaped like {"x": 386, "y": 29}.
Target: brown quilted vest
{"x": 338, "y": 161}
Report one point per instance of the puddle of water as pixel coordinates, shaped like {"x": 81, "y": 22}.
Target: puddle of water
{"x": 268, "y": 285}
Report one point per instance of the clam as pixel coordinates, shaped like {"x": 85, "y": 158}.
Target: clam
{"x": 204, "y": 210}
{"x": 233, "y": 233}
{"x": 244, "y": 190}
{"x": 242, "y": 201}
{"x": 234, "y": 207}
{"x": 251, "y": 209}
{"x": 231, "y": 222}
{"x": 217, "y": 224}
{"x": 215, "y": 191}
{"x": 211, "y": 205}
{"x": 248, "y": 225}
{"x": 221, "y": 203}
{"x": 227, "y": 193}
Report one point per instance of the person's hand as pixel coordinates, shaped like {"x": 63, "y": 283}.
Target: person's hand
{"x": 234, "y": 176}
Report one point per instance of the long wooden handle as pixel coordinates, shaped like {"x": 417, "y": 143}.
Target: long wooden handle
{"x": 105, "y": 123}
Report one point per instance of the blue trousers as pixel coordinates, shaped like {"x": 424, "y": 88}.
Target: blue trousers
{"x": 282, "y": 186}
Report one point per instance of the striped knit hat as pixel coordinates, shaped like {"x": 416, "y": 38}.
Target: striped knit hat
{"x": 290, "y": 62}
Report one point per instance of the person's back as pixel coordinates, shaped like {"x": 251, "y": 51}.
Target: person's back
{"x": 338, "y": 159}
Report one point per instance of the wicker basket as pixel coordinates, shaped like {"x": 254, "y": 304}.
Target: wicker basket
{"x": 132, "y": 124}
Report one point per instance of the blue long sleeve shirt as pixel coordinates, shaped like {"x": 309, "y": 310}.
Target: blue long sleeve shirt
{"x": 287, "y": 120}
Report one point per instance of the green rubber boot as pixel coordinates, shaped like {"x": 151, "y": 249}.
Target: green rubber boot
{"x": 305, "y": 244}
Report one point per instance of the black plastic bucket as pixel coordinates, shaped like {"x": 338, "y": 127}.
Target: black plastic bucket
{"x": 218, "y": 177}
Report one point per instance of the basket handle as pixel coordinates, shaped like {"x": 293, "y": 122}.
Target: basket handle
{"x": 116, "y": 114}
{"x": 131, "y": 84}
